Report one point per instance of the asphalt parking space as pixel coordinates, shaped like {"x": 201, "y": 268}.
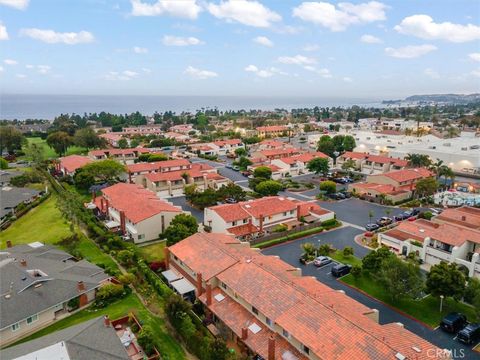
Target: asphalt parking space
{"x": 182, "y": 202}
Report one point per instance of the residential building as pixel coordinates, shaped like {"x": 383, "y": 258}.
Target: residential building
{"x": 37, "y": 282}
{"x": 176, "y": 136}
{"x": 434, "y": 241}
{"x": 112, "y": 138}
{"x": 69, "y": 164}
{"x": 125, "y": 156}
{"x": 172, "y": 183}
{"x": 269, "y": 310}
{"x": 464, "y": 217}
{"x": 224, "y": 147}
{"x": 255, "y": 217}
{"x": 394, "y": 186}
{"x": 136, "y": 171}
{"x": 268, "y": 155}
{"x": 182, "y": 128}
{"x": 13, "y": 197}
{"x": 277, "y": 172}
{"x": 297, "y": 164}
{"x": 270, "y": 144}
{"x": 372, "y": 164}
{"x": 273, "y": 131}
{"x": 135, "y": 212}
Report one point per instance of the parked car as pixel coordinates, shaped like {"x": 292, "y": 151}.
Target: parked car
{"x": 414, "y": 212}
{"x": 230, "y": 201}
{"x": 337, "y": 196}
{"x": 372, "y": 227}
{"x": 246, "y": 173}
{"x": 453, "y": 322}
{"x": 384, "y": 221}
{"x": 322, "y": 260}
{"x": 341, "y": 270}
{"x": 347, "y": 194}
{"x": 236, "y": 167}
{"x": 228, "y": 166}
{"x": 403, "y": 216}
{"x": 470, "y": 334}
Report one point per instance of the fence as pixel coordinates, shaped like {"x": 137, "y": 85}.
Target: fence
{"x": 284, "y": 233}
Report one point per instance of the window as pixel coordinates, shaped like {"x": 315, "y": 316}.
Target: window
{"x": 224, "y": 285}
{"x": 285, "y": 213}
{"x": 15, "y": 327}
{"x": 268, "y": 321}
{"x": 285, "y": 333}
{"x": 306, "y": 349}
{"x": 234, "y": 223}
{"x": 291, "y": 212}
{"x": 255, "y": 310}
{"x": 245, "y": 221}
{"x": 141, "y": 236}
{"x": 32, "y": 319}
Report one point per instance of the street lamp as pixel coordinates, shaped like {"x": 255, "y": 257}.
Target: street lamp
{"x": 441, "y": 302}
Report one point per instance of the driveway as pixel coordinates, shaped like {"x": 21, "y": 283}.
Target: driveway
{"x": 355, "y": 211}
{"x": 180, "y": 201}
{"x": 290, "y": 253}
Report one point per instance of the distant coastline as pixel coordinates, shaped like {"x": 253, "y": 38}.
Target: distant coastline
{"x": 48, "y": 106}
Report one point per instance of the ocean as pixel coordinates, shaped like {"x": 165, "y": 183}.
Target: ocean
{"x": 48, "y": 106}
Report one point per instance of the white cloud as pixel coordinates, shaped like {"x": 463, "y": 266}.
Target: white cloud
{"x": 184, "y": 9}
{"x": 476, "y": 73}
{"x": 323, "y": 72}
{"x": 410, "y": 52}
{"x": 264, "y": 73}
{"x": 199, "y": 74}
{"x": 42, "y": 69}
{"x": 3, "y": 32}
{"x": 140, "y": 50}
{"x": 370, "y": 39}
{"x": 424, "y": 27}
{"x": 263, "y": 40}
{"x": 122, "y": 76}
{"x": 10, "y": 62}
{"x": 347, "y": 79}
{"x": 474, "y": 56}
{"x": 53, "y": 37}
{"x": 28, "y": 66}
{"x": 170, "y": 40}
{"x": 146, "y": 70}
{"x": 287, "y": 29}
{"x": 1, "y": 69}
{"x": 341, "y": 17}
{"x": 296, "y": 60}
{"x": 21, "y": 76}
{"x": 251, "y": 68}
{"x": 431, "y": 73}
{"x": 17, "y": 4}
{"x": 251, "y": 13}
{"x": 311, "y": 47}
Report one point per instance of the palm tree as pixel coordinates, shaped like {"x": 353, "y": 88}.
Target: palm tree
{"x": 436, "y": 167}
{"x": 370, "y": 215}
{"x": 418, "y": 160}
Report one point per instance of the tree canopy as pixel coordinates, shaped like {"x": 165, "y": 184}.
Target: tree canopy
{"x": 446, "y": 279}
{"x": 181, "y": 227}
{"x": 319, "y": 166}
{"x": 59, "y": 141}
{"x": 104, "y": 170}
{"x": 11, "y": 139}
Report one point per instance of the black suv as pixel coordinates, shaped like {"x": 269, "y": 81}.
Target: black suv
{"x": 341, "y": 270}
{"x": 470, "y": 334}
{"x": 453, "y": 322}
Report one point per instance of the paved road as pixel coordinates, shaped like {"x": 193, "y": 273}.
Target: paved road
{"x": 355, "y": 211}
{"x": 180, "y": 201}
{"x": 290, "y": 252}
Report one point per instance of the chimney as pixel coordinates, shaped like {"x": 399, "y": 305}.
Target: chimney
{"x": 106, "y": 321}
{"x": 166, "y": 252}
{"x": 244, "y": 333}
{"x": 298, "y": 212}
{"x": 130, "y": 177}
{"x": 80, "y": 286}
{"x": 464, "y": 218}
{"x": 122, "y": 221}
{"x": 261, "y": 222}
{"x": 271, "y": 348}
{"x": 209, "y": 294}
{"x": 94, "y": 195}
{"x": 106, "y": 206}
{"x": 23, "y": 262}
{"x": 199, "y": 284}
{"x": 9, "y": 243}
{"x": 102, "y": 205}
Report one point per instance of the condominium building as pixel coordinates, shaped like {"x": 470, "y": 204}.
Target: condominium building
{"x": 67, "y": 165}
{"x": 297, "y": 164}
{"x": 371, "y": 164}
{"x": 125, "y": 156}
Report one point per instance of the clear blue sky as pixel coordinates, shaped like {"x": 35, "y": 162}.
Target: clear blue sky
{"x": 362, "y": 49}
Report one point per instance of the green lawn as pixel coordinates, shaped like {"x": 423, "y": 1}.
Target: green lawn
{"x": 48, "y": 151}
{"x": 153, "y": 252}
{"x": 43, "y": 223}
{"x": 426, "y": 309}
{"x": 92, "y": 253}
{"x": 165, "y": 343}
{"x": 351, "y": 260}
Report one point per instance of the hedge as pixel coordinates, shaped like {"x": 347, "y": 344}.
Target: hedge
{"x": 289, "y": 237}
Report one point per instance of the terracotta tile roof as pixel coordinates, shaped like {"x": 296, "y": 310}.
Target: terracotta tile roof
{"x": 273, "y": 128}
{"x": 273, "y": 143}
{"x": 173, "y": 175}
{"x": 138, "y": 203}
{"x": 157, "y": 165}
{"x": 242, "y": 230}
{"x": 381, "y": 188}
{"x": 465, "y": 216}
{"x": 109, "y": 152}
{"x": 202, "y": 167}
{"x": 407, "y": 174}
{"x": 272, "y": 167}
{"x": 215, "y": 176}
{"x": 295, "y": 304}
{"x": 386, "y": 160}
{"x": 228, "y": 142}
{"x": 280, "y": 152}
{"x": 73, "y": 162}
{"x": 303, "y": 158}
{"x": 111, "y": 136}
{"x": 305, "y": 208}
{"x": 230, "y": 212}
{"x": 354, "y": 155}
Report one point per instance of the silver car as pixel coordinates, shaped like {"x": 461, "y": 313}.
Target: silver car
{"x": 322, "y": 260}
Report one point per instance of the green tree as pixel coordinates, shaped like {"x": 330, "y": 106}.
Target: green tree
{"x": 426, "y": 187}
{"x": 356, "y": 271}
{"x": 83, "y": 180}
{"x": 349, "y": 164}
{"x": 269, "y": 188}
{"x": 399, "y": 278}
{"x": 231, "y": 191}
{"x": 104, "y": 170}
{"x": 88, "y": 138}
{"x": 122, "y": 143}
{"x": 347, "y": 251}
{"x": 181, "y": 227}
{"x": 157, "y": 157}
{"x": 326, "y": 145}
{"x": 328, "y": 186}
{"x": 372, "y": 262}
{"x": 3, "y": 164}
{"x": 241, "y": 152}
{"x": 59, "y": 141}
{"x": 319, "y": 166}
{"x": 36, "y": 154}
{"x": 217, "y": 349}
{"x": 262, "y": 172}
{"x": 243, "y": 163}
{"x": 338, "y": 143}
{"x": 349, "y": 143}
{"x": 418, "y": 160}
{"x": 447, "y": 280}
{"x": 11, "y": 139}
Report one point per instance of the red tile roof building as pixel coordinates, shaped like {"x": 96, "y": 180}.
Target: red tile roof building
{"x": 272, "y": 131}
{"x": 372, "y": 164}
{"x": 123, "y": 155}
{"x": 69, "y": 164}
{"x": 266, "y": 305}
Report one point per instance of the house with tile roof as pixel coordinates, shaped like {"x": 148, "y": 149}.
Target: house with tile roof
{"x": 248, "y": 219}
{"x": 272, "y": 312}
{"x": 273, "y": 131}
{"x": 113, "y": 138}
{"x": 36, "y": 284}
{"x": 371, "y": 164}
{"x": 297, "y": 164}
{"x": 67, "y": 165}
{"x": 271, "y": 154}
{"x": 224, "y": 147}
{"x": 435, "y": 241}
{"x": 277, "y": 172}
{"x": 133, "y": 211}
{"x": 125, "y": 156}
{"x": 135, "y": 171}
{"x": 464, "y": 217}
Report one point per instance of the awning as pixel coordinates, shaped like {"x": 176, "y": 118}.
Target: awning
{"x": 292, "y": 223}
{"x": 170, "y": 275}
{"x": 310, "y": 218}
{"x": 182, "y": 286}
{"x": 112, "y": 224}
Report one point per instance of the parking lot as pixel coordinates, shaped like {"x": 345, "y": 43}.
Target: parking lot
{"x": 290, "y": 253}
{"x": 181, "y": 201}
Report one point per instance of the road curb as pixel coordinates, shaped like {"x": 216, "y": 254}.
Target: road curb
{"x": 387, "y": 305}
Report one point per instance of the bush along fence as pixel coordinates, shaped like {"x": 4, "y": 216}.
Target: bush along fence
{"x": 296, "y": 233}
{"x": 193, "y": 333}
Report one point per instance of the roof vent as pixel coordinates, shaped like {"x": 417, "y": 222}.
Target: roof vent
{"x": 400, "y": 356}
{"x": 416, "y": 349}
{"x": 422, "y": 230}
{"x": 8, "y": 296}
{"x": 38, "y": 285}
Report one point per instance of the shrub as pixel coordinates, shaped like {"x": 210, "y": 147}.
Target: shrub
{"x": 108, "y": 293}
{"x": 330, "y": 224}
{"x": 145, "y": 340}
{"x": 73, "y": 304}
{"x": 347, "y": 251}
{"x": 356, "y": 271}
{"x": 280, "y": 228}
